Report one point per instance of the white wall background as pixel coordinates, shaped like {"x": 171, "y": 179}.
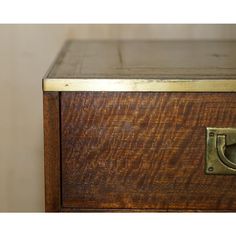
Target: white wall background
{"x": 26, "y": 51}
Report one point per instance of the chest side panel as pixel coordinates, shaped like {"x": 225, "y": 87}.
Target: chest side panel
{"x": 143, "y": 150}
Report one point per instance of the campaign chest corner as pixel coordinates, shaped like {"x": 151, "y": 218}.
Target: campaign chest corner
{"x": 141, "y": 126}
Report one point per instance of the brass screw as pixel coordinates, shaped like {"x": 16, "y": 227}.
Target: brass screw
{"x": 211, "y": 134}
{"x": 210, "y": 169}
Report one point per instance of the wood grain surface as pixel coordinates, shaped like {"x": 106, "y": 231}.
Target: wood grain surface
{"x": 143, "y": 151}
{"x": 51, "y": 105}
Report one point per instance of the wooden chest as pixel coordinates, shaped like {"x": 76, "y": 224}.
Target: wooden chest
{"x": 141, "y": 126}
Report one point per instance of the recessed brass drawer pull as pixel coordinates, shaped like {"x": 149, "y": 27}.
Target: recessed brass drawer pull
{"x": 221, "y": 151}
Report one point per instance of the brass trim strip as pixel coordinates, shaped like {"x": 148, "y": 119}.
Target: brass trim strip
{"x": 140, "y": 85}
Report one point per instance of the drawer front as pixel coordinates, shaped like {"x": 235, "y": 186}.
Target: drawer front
{"x": 137, "y": 150}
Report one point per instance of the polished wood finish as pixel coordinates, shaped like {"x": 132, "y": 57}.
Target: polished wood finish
{"x": 143, "y": 151}
{"x": 52, "y": 151}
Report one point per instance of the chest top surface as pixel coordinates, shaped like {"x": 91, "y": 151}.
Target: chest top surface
{"x": 145, "y": 59}
{"x": 141, "y": 60}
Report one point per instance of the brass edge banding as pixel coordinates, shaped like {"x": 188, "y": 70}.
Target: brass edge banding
{"x": 139, "y": 85}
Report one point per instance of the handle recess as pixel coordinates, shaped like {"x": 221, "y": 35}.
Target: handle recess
{"x": 226, "y": 153}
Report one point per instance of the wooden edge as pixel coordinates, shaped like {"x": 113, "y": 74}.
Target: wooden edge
{"x": 51, "y": 105}
{"x": 142, "y": 210}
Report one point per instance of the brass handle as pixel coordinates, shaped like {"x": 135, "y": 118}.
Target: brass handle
{"x": 227, "y": 157}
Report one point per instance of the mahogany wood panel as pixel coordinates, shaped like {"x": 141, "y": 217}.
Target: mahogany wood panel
{"x": 52, "y": 151}
{"x": 140, "y": 151}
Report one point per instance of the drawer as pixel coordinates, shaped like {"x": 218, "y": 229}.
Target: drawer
{"x": 133, "y": 134}
{"x": 143, "y": 151}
